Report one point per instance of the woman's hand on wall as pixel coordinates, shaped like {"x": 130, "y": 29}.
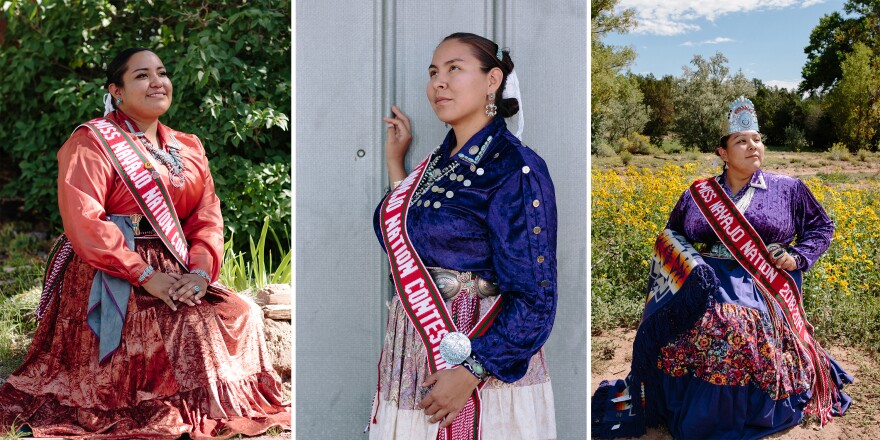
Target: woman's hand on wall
{"x": 398, "y": 140}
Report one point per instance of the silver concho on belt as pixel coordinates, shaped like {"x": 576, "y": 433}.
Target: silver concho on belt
{"x": 455, "y": 347}
{"x": 450, "y": 282}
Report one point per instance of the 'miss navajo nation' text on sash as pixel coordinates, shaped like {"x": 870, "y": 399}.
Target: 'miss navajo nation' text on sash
{"x": 422, "y": 301}
{"x": 743, "y": 242}
{"x": 148, "y": 191}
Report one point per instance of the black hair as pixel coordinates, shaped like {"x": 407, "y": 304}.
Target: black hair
{"x": 119, "y": 65}
{"x": 485, "y": 51}
{"x": 722, "y": 143}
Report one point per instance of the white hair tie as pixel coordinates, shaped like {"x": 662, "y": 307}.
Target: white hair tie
{"x": 511, "y": 90}
{"x": 108, "y": 104}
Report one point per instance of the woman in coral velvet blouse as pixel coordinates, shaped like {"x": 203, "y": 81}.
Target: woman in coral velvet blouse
{"x": 132, "y": 343}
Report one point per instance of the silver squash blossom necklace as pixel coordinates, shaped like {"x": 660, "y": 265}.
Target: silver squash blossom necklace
{"x": 171, "y": 159}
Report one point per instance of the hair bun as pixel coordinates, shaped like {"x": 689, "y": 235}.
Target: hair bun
{"x": 508, "y": 107}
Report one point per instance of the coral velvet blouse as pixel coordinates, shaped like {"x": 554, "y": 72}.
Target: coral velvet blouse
{"x": 497, "y": 221}
{"x": 89, "y": 189}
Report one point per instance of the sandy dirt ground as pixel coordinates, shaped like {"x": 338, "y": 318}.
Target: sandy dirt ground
{"x": 612, "y": 353}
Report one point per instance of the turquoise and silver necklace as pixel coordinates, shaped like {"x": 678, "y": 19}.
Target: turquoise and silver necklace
{"x": 171, "y": 159}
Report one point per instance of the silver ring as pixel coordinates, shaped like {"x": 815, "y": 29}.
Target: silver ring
{"x": 197, "y": 289}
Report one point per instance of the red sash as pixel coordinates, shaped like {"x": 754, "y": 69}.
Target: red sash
{"x": 422, "y": 301}
{"x": 743, "y": 242}
{"x": 147, "y": 189}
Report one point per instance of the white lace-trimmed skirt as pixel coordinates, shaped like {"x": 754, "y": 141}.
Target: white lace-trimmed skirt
{"x": 520, "y": 410}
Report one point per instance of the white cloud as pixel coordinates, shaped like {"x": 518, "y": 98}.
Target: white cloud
{"x": 783, "y": 83}
{"x": 675, "y": 17}
{"x": 716, "y": 40}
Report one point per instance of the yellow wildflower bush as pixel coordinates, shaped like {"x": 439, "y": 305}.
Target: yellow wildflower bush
{"x": 629, "y": 209}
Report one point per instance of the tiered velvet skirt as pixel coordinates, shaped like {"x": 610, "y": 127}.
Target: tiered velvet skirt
{"x": 202, "y": 370}
{"x": 735, "y": 375}
{"x": 520, "y": 410}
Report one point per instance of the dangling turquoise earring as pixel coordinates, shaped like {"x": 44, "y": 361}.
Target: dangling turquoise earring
{"x": 118, "y": 101}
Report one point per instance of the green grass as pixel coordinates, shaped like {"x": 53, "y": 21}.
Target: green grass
{"x": 836, "y": 177}
{"x": 257, "y": 270}
{"x": 17, "y": 326}
{"x": 275, "y": 430}
{"x": 14, "y": 431}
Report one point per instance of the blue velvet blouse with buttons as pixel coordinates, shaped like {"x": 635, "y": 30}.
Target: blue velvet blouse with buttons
{"x": 493, "y": 213}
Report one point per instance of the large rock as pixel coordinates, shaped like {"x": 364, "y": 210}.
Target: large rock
{"x": 275, "y": 294}
{"x": 276, "y": 301}
{"x": 279, "y": 340}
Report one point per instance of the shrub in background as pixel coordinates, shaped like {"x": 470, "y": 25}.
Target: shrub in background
{"x": 839, "y": 151}
{"x": 640, "y": 144}
{"x": 795, "y": 138}
{"x": 671, "y": 146}
{"x": 634, "y": 143}
{"x": 604, "y": 150}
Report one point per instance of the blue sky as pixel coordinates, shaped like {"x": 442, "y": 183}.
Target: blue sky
{"x": 763, "y": 38}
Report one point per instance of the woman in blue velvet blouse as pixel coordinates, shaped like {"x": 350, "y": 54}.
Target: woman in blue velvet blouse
{"x": 485, "y": 214}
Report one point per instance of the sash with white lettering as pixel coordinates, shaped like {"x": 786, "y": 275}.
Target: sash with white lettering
{"x": 743, "y": 242}
{"x": 150, "y": 194}
{"x": 422, "y": 301}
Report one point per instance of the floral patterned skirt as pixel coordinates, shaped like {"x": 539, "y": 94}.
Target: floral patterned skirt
{"x": 735, "y": 374}
{"x": 520, "y": 410}
{"x": 202, "y": 370}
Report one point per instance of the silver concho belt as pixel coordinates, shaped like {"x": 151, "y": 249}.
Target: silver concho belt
{"x": 716, "y": 250}
{"x": 450, "y": 282}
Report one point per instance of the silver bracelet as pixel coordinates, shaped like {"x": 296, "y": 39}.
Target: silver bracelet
{"x": 202, "y": 274}
{"x": 476, "y": 368}
{"x": 145, "y": 274}
{"x": 798, "y": 260}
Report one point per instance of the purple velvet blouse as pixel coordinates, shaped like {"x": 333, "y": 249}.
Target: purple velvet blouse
{"x": 781, "y": 209}
{"x": 497, "y": 220}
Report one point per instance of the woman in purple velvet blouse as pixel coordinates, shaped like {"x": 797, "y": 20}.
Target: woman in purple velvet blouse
{"x": 734, "y": 375}
{"x": 486, "y": 212}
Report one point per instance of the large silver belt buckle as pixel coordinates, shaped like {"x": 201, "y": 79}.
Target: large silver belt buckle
{"x": 484, "y": 288}
{"x": 455, "y": 347}
{"x": 447, "y": 282}
{"x": 451, "y": 282}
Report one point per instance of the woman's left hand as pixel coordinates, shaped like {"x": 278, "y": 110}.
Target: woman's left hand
{"x": 786, "y": 262}
{"x": 450, "y": 392}
{"x": 189, "y": 288}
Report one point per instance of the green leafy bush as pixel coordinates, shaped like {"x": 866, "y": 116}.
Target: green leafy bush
{"x": 795, "y": 138}
{"x": 229, "y": 63}
{"x": 635, "y": 143}
{"x": 839, "y": 151}
{"x": 251, "y": 192}
{"x": 604, "y": 150}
